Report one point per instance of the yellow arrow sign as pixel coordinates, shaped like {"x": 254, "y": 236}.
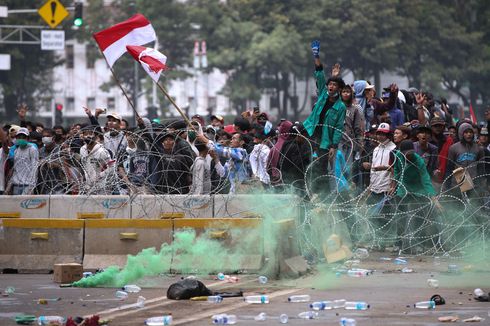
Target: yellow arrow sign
{"x": 53, "y": 12}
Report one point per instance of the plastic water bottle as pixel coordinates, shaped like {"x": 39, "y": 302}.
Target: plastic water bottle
{"x": 224, "y": 319}
{"x": 159, "y": 321}
{"x": 215, "y": 298}
{"x": 347, "y": 322}
{"x": 358, "y": 272}
{"x": 263, "y": 279}
{"x": 321, "y": 305}
{"x": 131, "y": 288}
{"x": 361, "y": 253}
{"x": 140, "y": 303}
{"x": 87, "y": 274}
{"x": 339, "y": 303}
{"x": 46, "y": 320}
{"x": 478, "y": 293}
{"x": 399, "y": 261}
{"x": 308, "y": 315}
{"x": 283, "y": 319}
{"x": 299, "y": 298}
{"x": 425, "y": 305}
{"x": 359, "y": 305}
{"x": 433, "y": 283}
{"x": 121, "y": 295}
{"x": 2, "y": 231}
{"x": 261, "y": 317}
{"x": 256, "y": 299}
{"x": 221, "y": 276}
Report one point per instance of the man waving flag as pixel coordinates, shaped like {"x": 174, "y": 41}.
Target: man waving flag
{"x": 137, "y": 30}
{"x": 150, "y": 59}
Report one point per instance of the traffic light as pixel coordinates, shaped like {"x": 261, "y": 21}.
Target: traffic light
{"x": 78, "y": 18}
{"x": 58, "y": 114}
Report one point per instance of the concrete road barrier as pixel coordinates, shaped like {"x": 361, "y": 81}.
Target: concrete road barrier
{"x": 242, "y": 238}
{"x": 109, "y": 241}
{"x": 89, "y": 207}
{"x": 24, "y": 206}
{"x": 171, "y": 206}
{"x": 38, "y": 244}
{"x": 268, "y": 206}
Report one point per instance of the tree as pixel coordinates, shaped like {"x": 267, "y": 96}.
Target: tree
{"x": 30, "y": 78}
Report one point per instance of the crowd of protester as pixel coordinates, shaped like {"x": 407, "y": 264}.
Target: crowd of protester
{"x": 397, "y": 143}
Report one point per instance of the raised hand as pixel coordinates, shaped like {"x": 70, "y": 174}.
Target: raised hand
{"x": 315, "y": 48}
{"x": 87, "y": 111}
{"x": 336, "y": 70}
{"x": 420, "y": 98}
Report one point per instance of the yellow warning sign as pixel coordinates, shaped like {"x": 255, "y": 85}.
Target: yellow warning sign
{"x": 53, "y": 12}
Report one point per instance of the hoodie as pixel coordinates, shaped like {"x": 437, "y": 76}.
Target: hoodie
{"x": 275, "y": 151}
{"x": 466, "y": 155}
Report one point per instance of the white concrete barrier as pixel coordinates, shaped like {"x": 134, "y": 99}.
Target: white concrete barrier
{"x": 89, "y": 207}
{"x": 24, "y": 206}
{"x": 171, "y": 206}
{"x": 275, "y": 206}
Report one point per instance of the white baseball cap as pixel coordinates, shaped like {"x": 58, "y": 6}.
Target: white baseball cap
{"x": 383, "y": 127}
{"x": 23, "y": 131}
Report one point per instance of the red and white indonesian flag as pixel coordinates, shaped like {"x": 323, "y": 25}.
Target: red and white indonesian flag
{"x": 151, "y": 60}
{"x": 137, "y": 30}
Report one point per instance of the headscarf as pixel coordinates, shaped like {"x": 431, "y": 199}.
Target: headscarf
{"x": 275, "y": 152}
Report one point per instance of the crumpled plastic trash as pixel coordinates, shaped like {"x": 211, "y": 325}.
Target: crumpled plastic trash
{"x": 474, "y": 319}
{"x": 448, "y": 319}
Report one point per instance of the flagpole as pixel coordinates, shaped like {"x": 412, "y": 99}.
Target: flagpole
{"x": 174, "y": 104}
{"x": 119, "y": 84}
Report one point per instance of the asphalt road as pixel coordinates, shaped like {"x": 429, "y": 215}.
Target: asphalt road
{"x": 390, "y": 293}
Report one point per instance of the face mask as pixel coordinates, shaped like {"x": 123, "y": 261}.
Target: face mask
{"x": 47, "y": 140}
{"x": 192, "y": 135}
{"x": 21, "y": 142}
{"x": 89, "y": 140}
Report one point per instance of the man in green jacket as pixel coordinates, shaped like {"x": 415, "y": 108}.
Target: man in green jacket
{"x": 418, "y": 229}
{"x": 325, "y": 124}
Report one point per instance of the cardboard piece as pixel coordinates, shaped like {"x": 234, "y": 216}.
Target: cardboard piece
{"x": 67, "y": 273}
{"x": 334, "y": 250}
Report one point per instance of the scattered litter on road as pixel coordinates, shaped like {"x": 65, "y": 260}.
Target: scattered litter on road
{"x": 425, "y": 305}
{"x": 347, "y": 322}
{"x": 45, "y": 301}
{"x": 263, "y": 279}
{"x": 474, "y": 319}
{"x": 260, "y": 299}
{"x": 25, "y": 319}
{"x": 308, "y": 315}
{"x": 361, "y": 253}
{"x": 433, "y": 283}
{"x": 131, "y": 288}
{"x": 407, "y": 270}
{"x": 353, "y": 305}
{"x": 399, "y": 261}
{"x": 448, "y": 319}
{"x": 299, "y": 298}
{"x": 159, "y": 321}
{"x": 438, "y": 300}
{"x": 224, "y": 319}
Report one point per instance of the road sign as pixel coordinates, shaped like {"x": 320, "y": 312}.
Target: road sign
{"x": 4, "y": 61}
{"x": 4, "y": 11}
{"x": 53, "y": 13}
{"x": 52, "y": 40}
